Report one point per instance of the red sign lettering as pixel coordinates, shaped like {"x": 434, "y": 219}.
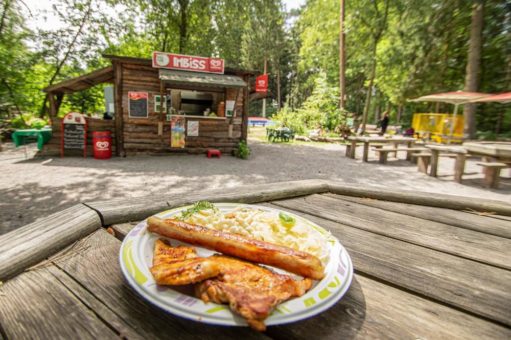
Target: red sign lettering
{"x": 187, "y": 63}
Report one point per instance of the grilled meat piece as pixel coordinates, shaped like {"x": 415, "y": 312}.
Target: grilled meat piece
{"x": 180, "y": 265}
{"x": 250, "y": 290}
{"x": 293, "y": 261}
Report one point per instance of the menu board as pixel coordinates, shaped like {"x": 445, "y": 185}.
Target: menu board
{"x": 74, "y": 136}
{"x": 74, "y": 133}
{"x": 138, "y": 104}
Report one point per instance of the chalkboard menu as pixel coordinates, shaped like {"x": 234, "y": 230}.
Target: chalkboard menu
{"x": 74, "y": 136}
{"x": 74, "y": 133}
{"x": 138, "y": 104}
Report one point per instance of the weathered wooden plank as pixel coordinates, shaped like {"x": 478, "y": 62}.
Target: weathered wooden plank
{"x": 34, "y": 305}
{"x": 120, "y": 211}
{"x": 96, "y": 268}
{"x": 448, "y": 216}
{"x": 32, "y": 243}
{"x": 472, "y": 286}
{"x": 423, "y": 198}
{"x": 373, "y": 310}
{"x": 122, "y": 229}
{"x": 470, "y": 244}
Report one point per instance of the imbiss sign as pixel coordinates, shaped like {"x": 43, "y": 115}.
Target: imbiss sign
{"x": 187, "y": 63}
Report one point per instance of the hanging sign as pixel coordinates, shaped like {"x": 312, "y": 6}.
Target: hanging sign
{"x": 74, "y": 133}
{"x": 261, "y": 84}
{"x": 177, "y": 132}
{"x": 187, "y": 62}
{"x": 138, "y": 104}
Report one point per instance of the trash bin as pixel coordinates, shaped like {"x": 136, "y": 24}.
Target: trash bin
{"x": 102, "y": 144}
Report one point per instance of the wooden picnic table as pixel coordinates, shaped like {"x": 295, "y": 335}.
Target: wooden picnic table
{"x": 459, "y": 165}
{"x": 427, "y": 266}
{"x": 379, "y": 139}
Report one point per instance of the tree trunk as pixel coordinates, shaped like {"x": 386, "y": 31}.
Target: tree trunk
{"x": 7, "y": 4}
{"x": 183, "y": 24}
{"x": 399, "y": 113}
{"x": 473, "y": 66}
{"x": 369, "y": 91}
{"x": 279, "y": 104}
{"x": 342, "y": 59}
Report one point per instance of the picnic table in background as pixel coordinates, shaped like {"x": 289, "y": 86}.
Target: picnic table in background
{"x": 283, "y": 134}
{"x": 426, "y": 266}
{"x": 22, "y": 137}
{"x": 395, "y": 141}
{"x": 495, "y": 156}
{"x": 460, "y": 152}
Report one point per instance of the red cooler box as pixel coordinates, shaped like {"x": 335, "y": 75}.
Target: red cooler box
{"x": 102, "y": 144}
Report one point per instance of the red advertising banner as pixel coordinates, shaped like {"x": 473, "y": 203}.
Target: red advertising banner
{"x": 187, "y": 62}
{"x": 261, "y": 84}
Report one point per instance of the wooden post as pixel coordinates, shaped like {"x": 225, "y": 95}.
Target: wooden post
{"x": 244, "y": 121}
{"x": 422, "y": 163}
{"x": 342, "y": 59}
{"x": 366, "y": 152}
{"x": 119, "y": 126}
{"x": 160, "y": 122}
{"x": 459, "y": 167}
{"x": 434, "y": 162}
{"x": 353, "y": 148}
{"x": 264, "y": 99}
{"x": 53, "y": 105}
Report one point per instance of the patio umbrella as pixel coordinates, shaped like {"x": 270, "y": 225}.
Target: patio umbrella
{"x": 456, "y": 98}
{"x": 502, "y": 98}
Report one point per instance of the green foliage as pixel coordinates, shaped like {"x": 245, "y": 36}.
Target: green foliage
{"x": 320, "y": 109}
{"x": 28, "y": 121}
{"x": 243, "y": 151}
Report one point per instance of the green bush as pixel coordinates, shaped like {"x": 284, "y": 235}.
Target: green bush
{"x": 320, "y": 110}
{"x": 27, "y": 121}
{"x": 243, "y": 151}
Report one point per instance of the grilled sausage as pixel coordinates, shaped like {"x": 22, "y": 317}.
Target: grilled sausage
{"x": 294, "y": 261}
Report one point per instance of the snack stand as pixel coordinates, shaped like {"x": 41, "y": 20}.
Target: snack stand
{"x": 170, "y": 103}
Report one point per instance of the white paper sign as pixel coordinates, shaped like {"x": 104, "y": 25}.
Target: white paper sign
{"x": 192, "y": 128}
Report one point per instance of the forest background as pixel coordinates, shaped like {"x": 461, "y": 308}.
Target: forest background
{"x": 395, "y": 50}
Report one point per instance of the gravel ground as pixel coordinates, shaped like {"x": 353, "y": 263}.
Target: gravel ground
{"x": 31, "y": 188}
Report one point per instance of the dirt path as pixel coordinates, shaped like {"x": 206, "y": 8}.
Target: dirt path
{"x": 34, "y": 188}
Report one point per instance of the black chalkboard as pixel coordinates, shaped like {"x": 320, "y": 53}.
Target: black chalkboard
{"x": 74, "y": 136}
{"x": 138, "y": 106}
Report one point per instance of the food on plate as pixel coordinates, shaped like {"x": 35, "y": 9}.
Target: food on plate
{"x": 176, "y": 266}
{"x": 250, "y": 290}
{"x": 264, "y": 225}
{"x": 294, "y": 261}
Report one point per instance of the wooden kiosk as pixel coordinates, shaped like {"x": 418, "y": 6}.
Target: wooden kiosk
{"x": 172, "y": 103}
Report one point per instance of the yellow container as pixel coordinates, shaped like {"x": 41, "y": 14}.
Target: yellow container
{"x": 437, "y": 126}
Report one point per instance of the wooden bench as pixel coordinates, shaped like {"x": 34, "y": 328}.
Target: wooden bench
{"x": 423, "y": 160}
{"x": 411, "y": 149}
{"x": 383, "y": 153}
{"x": 492, "y": 173}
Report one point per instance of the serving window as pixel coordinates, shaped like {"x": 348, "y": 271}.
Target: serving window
{"x": 195, "y": 103}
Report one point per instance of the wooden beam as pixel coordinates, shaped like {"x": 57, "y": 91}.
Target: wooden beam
{"x": 53, "y": 105}
{"x": 31, "y": 244}
{"x": 424, "y": 198}
{"x": 125, "y": 210}
{"x": 244, "y": 122}
{"x": 118, "y": 116}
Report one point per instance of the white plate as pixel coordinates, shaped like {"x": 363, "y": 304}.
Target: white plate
{"x": 136, "y": 257}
